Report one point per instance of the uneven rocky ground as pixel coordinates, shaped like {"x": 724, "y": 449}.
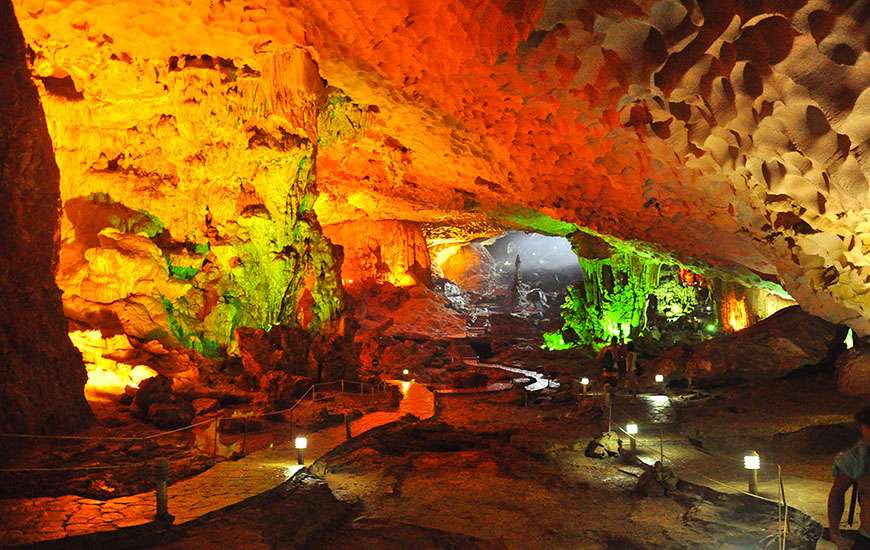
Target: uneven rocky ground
{"x": 487, "y": 472}
{"x": 490, "y": 469}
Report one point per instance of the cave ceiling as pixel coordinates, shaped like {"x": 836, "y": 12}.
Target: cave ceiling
{"x": 734, "y": 132}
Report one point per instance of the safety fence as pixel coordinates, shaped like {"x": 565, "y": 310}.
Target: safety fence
{"x": 315, "y": 392}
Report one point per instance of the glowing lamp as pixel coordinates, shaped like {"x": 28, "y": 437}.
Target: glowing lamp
{"x": 301, "y": 444}
{"x": 584, "y": 381}
{"x": 406, "y": 372}
{"x": 631, "y": 430}
{"x": 752, "y": 461}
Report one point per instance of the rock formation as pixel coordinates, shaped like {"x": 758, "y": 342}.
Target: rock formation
{"x": 784, "y": 342}
{"x": 381, "y": 251}
{"x": 730, "y": 131}
{"x": 202, "y": 146}
{"x": 41, "y": 373}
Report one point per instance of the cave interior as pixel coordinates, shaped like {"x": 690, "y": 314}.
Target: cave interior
{"x": 231, "y": 224}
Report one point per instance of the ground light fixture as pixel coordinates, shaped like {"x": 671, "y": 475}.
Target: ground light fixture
{"x": 406, "y": 372}
{"x": 752, "y": 463}
{"x": 660, "y": 378}
{"x": 631, "y": 430}
{"x": 584, "y": 382}
{"x": 301, "y": 443}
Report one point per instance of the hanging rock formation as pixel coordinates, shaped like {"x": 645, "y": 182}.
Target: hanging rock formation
{"x": 187, "y": 183}
{"x": 381, "y": 251}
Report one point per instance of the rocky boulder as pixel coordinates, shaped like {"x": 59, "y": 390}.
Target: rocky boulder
{"x": 205, "y": 405}
{"x": 853, "y": 373}
{"x": 153, "y": 390}
{"x": 167, "y": 416}
{"x": 786, "y": 341}
{"x": 281, "y": 389}
{"x": 282, "y": 348}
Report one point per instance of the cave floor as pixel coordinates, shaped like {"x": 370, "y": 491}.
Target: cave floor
{"x": 541, "y": 491}
{"x": 30, "y": 520}
{"x": 487, "y": 471}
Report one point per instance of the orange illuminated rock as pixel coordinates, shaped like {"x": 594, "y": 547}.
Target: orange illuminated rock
{"x": 470, "y": 267}
{"x": 381, "y": 251}
{"x": 735, "y": 132}
{"x": 107, "y": 374}
{"x": 734, "y": 314}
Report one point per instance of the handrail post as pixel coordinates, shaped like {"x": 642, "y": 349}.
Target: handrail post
{"x": 244, "y": 433}
{"x": 217, "y": 421}
{"x": 314, "y": 392}
{"x": 161, "y": 478}
{"x": 342, "y": 385}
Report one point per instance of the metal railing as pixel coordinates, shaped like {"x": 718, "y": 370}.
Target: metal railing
{"x": 363, "y": 388}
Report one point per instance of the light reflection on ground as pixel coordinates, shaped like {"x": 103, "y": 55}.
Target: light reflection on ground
{"x": 291, "y": 470}
{"x": 659, "y": 408}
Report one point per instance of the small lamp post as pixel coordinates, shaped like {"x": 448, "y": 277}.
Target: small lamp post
{"x": 405, "y": 374}
{"x": 752, "y": 463}
{"x": 660, "y": 378}
{"x": 161, "y": 475}
{"x": 631, "y": 430}
{"x": 584, "y": 382}
{"x": 301, "y": 444}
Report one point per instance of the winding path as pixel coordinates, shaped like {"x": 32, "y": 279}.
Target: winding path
{"x": 31, "y": 520}
{"x": 541, "y": 381}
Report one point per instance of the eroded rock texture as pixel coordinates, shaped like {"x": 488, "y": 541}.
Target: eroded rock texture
{"x": 41, "y": 373}
{"x": 187, "y": 178}
{"x": 778, "y": 345}
{"x": 732, "y": 131}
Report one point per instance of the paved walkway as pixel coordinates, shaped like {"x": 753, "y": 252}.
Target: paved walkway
{"x": 30, "y": 520}
{"x": 540, "y": 379}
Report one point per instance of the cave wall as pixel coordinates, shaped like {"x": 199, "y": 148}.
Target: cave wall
{"x": 187, "y": 183}
{"x": 470, "y": 266}
{"x": 42, "y": 377}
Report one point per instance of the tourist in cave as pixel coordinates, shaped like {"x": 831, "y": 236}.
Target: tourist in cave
{"x": 612, "y": 361}
{"x": 850, "y": 468}
{"x": 632, "y": 369}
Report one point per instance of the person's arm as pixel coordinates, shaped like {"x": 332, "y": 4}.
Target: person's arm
{"x": 836, "y": 504}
